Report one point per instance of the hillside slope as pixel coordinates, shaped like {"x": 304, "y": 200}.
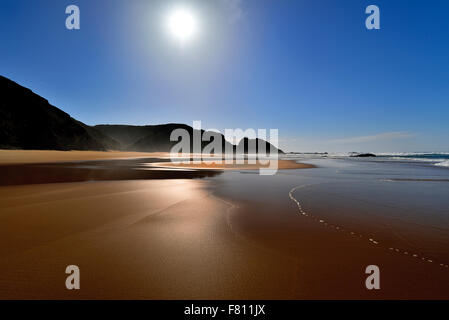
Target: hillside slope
{"x": 28, "y": 121}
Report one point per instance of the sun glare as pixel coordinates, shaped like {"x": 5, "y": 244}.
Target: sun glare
{"x": 182, "y": 24}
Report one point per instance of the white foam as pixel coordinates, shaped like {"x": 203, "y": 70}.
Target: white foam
{"x": 443, "y": 164}
{"x": 392, "y": 154}
{"x": 416, "y": 159}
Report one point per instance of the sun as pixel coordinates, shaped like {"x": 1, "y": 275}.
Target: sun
{"x": 182, "y": 24}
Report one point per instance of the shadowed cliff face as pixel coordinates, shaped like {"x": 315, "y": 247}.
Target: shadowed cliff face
{"x": 28, "y": 121}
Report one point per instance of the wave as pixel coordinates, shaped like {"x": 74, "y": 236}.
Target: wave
{"x": 438, "y": 158}
{"x": 443, "y": 163}
{"x": 410, "y": 154}
{"x": 416, "y": 159}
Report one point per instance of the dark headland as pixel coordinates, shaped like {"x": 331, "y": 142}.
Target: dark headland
{"x": 30, "y": 122}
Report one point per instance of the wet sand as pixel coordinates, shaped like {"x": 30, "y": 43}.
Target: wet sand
{"x": 157, "y": 239}
{"x": 225, "y": 235}
{"x": 246, "y": 165}
{"x": 174, "y": 239}
{"x": 330, "y": 264}
{"x": 135, "y": 232}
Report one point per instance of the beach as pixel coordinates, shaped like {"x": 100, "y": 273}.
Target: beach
{"x": 51, "y": 156}
{"x": 138, "y": 230}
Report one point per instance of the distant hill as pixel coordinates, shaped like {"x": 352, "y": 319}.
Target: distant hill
{"x": 154, "y": 138}
{"x": 157, "y": 138}
{"x": 247, "y": 144}
{"x": 28, "y": 121}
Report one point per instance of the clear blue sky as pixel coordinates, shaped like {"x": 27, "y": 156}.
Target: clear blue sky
{"x": 309, "y": 68}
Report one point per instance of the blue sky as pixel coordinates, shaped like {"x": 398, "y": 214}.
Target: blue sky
{"x": 308, "y": 68}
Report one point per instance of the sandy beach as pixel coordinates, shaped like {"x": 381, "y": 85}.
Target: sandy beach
{"x": 234, "y": 150}
{"x": 135, "y": 239}
{"x": 15, "y": 157}
{"x": 144, "y": 240}
{"x": 226, "y": 235}
{"x": 50, "y": 156}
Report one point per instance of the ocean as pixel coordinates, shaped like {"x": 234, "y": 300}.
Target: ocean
{"x": 434, "y": 158}
{"x": 440, "y": 159}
